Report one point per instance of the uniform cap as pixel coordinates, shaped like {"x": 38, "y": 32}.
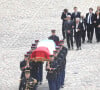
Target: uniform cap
{"x": 27, "y": 71}
{"x": 55, "y": 51}
{"x": 33, "y": 44}
{"x": 53, "y": 31}
{"x": 57, "y": 48}
{"x": 33, "y": 47}
{"x": 26, "y": 55}
{"x": 51, "y": 56}
{"x": 36, "y": 41}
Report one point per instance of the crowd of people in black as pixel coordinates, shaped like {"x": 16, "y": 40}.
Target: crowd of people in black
{"x": 75, "y": 26}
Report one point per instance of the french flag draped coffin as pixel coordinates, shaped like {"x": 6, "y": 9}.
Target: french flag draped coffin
{"x": 44, "y": 49}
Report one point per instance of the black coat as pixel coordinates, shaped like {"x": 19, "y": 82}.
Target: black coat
{"x": 68, "y": 26}
{"x": 54, "y": 38}
{"x": 63, "y": 16}
{"x": 22, "y": 67}
{"x": 80, "y": 27}
{"x": 75, "y": 16}
{"x": 52, "y": 74}
{"x": 97, "y": 20}
{"x": 83, "y": 22}
{"x": 92, "y": 18}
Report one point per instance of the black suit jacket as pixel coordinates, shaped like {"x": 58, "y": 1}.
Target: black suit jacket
{"x": 68, "y": 26}
{"x": 80, "y": 26}
{"x": 75, "y": 16}
{"x": 97, "y": 20}
{"x": 64, "y": 16}
{"x": 92, "y": 18}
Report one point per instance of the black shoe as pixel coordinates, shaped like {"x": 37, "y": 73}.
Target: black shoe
{"x": 63, "y": 38}
{"x": 80, "y": 48}
{"x": 77, "y": 49}
{"x": 83, "y": 41}
{"x": 90, "y": 41}
{"x": 62, "y": 86}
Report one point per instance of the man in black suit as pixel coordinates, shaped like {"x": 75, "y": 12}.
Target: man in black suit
{"x": 78, "y": 28}
{"x": 65, "y": 13}
{"x": 75, "y": 14}
{"x": 90, "y": 24}
{"x": 68, "y": 27}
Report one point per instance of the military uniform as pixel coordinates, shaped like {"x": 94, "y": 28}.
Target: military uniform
{"x": 23, "y": 67}
{"x": 54, "y": 38}
{"x": 27, "y": 83}
{"x": 52, "y": 75}
{"x": 40, "y": 71}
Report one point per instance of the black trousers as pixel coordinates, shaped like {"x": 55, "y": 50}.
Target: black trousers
{"x": 83, "y": 35}
{"x": 63, "y": 32}
{"x": 90, "y": 31}
{"x": 69, "y": 38}
{"x": 97, "y": 31}
{"x": 78, "y": 39}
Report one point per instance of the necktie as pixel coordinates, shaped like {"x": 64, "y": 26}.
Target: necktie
{"x": 90, "y": 19}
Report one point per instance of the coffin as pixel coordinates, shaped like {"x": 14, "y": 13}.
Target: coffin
{"x": 44, "y": 49}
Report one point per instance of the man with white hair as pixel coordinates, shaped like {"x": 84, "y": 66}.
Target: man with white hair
{"x": 68, "y": 27}
{"x": 77, "y": 28}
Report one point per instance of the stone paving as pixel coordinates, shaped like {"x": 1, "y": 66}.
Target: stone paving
{"x": 23, "y": 21}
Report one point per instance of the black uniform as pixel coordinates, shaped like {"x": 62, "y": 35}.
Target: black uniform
{"x": 27, "y": 84}
{"x": 63, "y": 16}
{"x": 52, "y": 76}
{"x": 22, "y": 67}
{"x": 55, "y": 39}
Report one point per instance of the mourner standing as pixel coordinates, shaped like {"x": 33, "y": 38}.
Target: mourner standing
{"x": 90, "y": 24}
{"x": 78, "y": 28}
{"x": 63, "y": 17}
{"x": 68, "y": 27}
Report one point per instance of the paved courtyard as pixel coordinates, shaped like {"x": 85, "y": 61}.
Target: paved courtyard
{"x": 23, "y": 21}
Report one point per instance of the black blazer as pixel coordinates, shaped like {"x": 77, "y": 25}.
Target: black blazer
{"x": 97, "y": 20}
{"x": 92, "y": 18}
{"x": 79, "y": 27}
{"x": 83, "y": 24}
{"x": 64, "y": 16}
{"x": 68, "y": 26}
{"x": 73, "y": 17}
